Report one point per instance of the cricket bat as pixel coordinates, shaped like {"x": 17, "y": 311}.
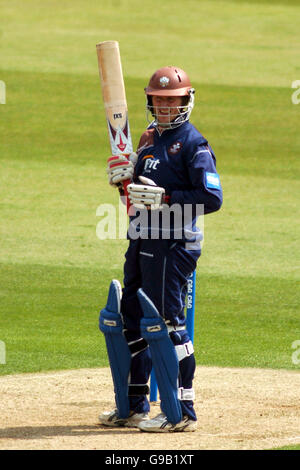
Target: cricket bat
{"x": 114, "y": 100}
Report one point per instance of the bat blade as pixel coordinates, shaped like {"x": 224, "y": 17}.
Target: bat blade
{"x": 114, "y": 97}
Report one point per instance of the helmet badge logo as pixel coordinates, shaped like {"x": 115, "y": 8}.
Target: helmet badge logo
{"x": 164, "y": 81}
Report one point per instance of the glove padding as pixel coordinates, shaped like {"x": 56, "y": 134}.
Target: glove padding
{"x": 146, "y": 195}
{"x": 120, "y": 168}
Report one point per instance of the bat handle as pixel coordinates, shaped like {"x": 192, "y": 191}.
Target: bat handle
{"x": 125, "y": 184}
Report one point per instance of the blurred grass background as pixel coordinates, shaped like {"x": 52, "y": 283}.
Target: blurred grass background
{"x": 54, "y": 271}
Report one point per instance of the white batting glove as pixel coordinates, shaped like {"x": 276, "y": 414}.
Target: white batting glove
{"x": 146, "y": 195}
{"x": 120, "y": 168}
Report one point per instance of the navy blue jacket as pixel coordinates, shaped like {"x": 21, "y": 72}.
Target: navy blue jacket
{"x": 181, "y": 161}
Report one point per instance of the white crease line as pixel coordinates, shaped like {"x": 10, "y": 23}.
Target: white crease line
{"x": 36, "y": 376}
{"x": 247, "y": 438}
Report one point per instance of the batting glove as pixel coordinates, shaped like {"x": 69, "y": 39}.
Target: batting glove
{"x": 120, "y": 168}
{"x": 146, "y": 195}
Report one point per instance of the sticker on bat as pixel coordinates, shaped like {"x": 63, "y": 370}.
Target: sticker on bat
{"x": 120, "y": 139}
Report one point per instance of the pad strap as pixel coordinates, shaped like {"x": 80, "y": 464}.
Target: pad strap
{"x": 174, "y": 328}
{"x": 137, "y": 390}
{"x": 184, "y": 350}
{"x": 186, "y": 394}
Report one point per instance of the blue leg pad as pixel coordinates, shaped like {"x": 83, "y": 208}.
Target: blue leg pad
{"x": 164, "y": 358}
{"x": 111, "y": 324}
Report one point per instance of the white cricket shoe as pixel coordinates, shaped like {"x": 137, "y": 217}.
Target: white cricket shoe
{"x": 111, "y": 419}
{"x": 161, "y": 424}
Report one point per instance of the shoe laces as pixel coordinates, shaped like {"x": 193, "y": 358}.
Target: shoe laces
{"x": 160, "y": 416}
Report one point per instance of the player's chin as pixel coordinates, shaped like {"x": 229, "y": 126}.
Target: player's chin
{"x": 164, "y": 120}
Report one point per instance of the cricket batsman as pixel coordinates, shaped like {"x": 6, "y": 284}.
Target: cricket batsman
{"x": 173, "y": 180}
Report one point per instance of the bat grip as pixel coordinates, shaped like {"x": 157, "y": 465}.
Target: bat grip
{"x": 125, "y": 184}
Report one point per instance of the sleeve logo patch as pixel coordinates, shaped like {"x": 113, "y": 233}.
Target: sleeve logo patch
{"x": 212, "y": 180}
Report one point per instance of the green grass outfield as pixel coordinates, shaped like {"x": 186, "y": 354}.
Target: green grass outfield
{"x": 54, "y": 272}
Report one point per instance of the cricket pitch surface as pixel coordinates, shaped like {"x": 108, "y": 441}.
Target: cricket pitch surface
{"x": 238, "y": 409}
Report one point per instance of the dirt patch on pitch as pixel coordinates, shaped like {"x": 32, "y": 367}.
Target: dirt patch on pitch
{"x": 237, "y": 409}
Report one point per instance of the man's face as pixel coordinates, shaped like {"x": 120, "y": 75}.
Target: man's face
{"x": 166, "y": 108}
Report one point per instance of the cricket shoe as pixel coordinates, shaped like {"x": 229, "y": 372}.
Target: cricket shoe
{"x": 161, "y": 424}
{"x": 111, "y": 419}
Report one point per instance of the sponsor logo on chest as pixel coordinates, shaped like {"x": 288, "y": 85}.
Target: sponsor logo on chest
{"x": 151, "y": 163}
